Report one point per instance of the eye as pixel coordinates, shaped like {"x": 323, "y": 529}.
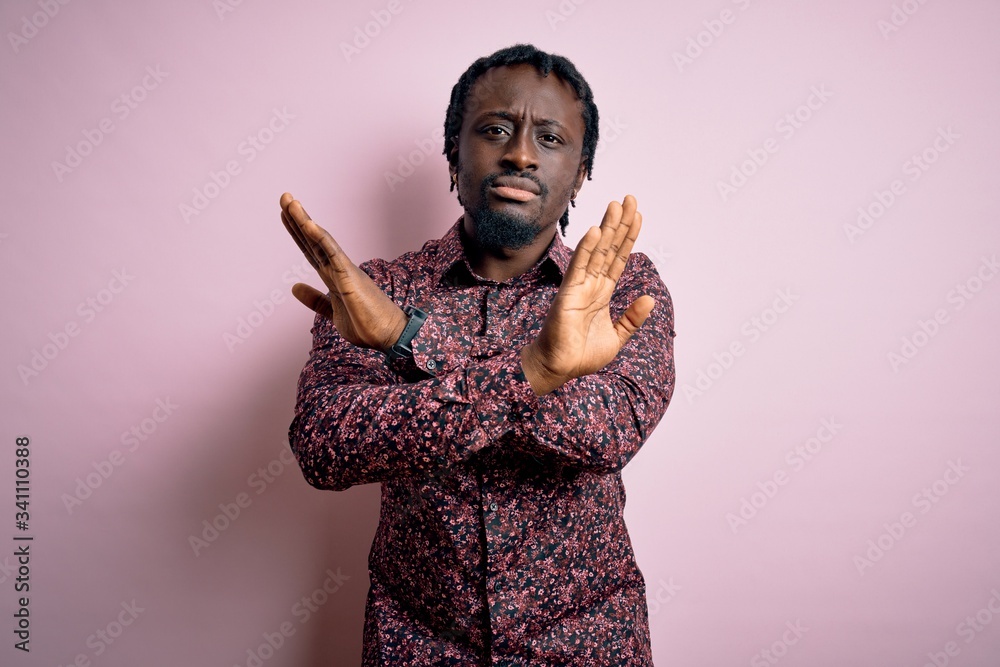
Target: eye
{"x": 550, "y": 139}
{"x": 494, "y": 130}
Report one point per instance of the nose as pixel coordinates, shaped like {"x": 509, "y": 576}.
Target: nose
{"x": 520, "y": 153}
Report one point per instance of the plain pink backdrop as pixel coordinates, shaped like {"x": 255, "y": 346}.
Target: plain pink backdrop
{"x": 807, "y": 111}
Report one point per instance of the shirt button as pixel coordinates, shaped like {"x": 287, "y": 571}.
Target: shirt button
{"x": 493, "y": 506}
{"x": 431, "y": 364}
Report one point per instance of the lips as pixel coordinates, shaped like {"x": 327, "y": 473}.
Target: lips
{"x": 518, "y": 189}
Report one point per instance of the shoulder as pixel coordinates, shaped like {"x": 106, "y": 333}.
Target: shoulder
{"x": 640, "y": 273}
{"x": 394, "y": 277}
{"x": 639, "y": 277}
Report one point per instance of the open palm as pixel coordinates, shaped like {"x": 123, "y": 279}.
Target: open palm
{"x": 362, "y": 313}
{"x": 578, "y": 336}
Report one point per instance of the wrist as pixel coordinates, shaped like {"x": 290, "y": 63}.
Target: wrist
{"x": 413, "y": 319}
{"x": 396, "y": 331}
{"x": 541, "y": 379}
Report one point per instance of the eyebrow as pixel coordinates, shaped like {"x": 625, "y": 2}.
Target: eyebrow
{"x": 506, "y": 115}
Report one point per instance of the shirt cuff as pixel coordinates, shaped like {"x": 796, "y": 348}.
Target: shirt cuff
{"x": 440, "y": 346}
{"x": 499, "y": 395}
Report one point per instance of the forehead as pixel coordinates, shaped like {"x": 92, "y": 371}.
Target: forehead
{"x": 522, "y": 89}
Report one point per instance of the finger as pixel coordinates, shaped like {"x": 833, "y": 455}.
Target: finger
{"x": 313, "y": 299}
{"x": 287, "y": 200}
{"x": 328, "y": 251}
{"x": 293, "y": 220}
{"x": 309, "y": 231}
{"x": 628, "y": 215}
{"x": 634, "y": 317}
{"x": 576, "y": 272}
{"x": 322, "y": 245}
{"x": 296, "y": 234}
{"x": 609, "y": 225}
{"x": 621, "y": 258}
{"x": 338, "y": 271}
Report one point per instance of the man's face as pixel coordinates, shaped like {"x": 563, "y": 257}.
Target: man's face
{"x": 519, "y": 154}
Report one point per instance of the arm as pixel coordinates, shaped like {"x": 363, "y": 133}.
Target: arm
{"x": 356, "y": 421}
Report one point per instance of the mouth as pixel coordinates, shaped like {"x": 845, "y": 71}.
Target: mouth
{"x": 515, "y": 194}
{"x": 515, "y": 189}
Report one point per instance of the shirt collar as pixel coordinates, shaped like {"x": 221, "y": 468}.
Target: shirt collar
{"x": 451, "y": 261}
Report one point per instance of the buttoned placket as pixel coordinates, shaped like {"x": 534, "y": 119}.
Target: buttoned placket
{"x": 492, "y": 524}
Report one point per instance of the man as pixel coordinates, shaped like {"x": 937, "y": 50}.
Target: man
{"x": 498, "y": 409}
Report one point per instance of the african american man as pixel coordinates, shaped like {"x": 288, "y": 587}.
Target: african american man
{"x": 495, "y": 383}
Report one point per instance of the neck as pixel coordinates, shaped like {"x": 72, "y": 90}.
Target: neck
{"x": 503, "y": 263}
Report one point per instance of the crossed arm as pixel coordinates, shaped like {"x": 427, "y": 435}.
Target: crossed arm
{"x": 587, "y": 391}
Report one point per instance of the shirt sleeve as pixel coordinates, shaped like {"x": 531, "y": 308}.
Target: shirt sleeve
{"x": 358, "y": 420}
{"x": 599, "y": 421}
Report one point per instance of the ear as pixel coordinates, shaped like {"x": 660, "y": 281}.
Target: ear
{"x": 453, "y": 157}
{"x": 581, "y": 174}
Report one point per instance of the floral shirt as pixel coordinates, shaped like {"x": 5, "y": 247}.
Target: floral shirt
{"x": 501, "y": 539}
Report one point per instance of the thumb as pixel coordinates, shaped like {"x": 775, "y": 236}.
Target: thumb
{"x": 313, "y": 299}
{"x": 633, "y": 317}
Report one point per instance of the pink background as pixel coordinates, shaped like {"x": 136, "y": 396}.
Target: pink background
{"x": 721, "y": 592}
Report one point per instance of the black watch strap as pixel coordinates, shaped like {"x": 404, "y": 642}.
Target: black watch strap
{"x": 402, "y": 347}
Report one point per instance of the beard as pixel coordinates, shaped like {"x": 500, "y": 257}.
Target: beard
{"x": 496, "y": 230}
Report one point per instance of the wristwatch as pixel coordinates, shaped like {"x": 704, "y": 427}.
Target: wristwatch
{"x": 402, "y": 347}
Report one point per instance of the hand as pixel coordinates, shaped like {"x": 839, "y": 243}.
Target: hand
{"x": 578, "y": 336}
{"x": 362, "y": 313}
